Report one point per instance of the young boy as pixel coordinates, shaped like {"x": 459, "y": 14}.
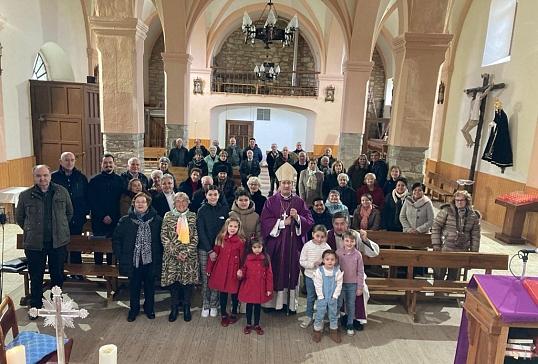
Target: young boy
{"x": 351, "y": 264}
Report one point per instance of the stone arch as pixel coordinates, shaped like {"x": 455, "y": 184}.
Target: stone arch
{"x": 58, "y": 65}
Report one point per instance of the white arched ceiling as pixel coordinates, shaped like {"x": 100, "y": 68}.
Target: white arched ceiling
{"x": 147, "y": 9}
{"x": 385, "y": 48}
{"x": 58, "y": 65}
{"x": 392, "y": 24}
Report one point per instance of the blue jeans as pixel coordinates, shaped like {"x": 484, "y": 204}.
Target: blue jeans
{"x": 348, "y": 294}
{"x": 310, "y": 296}
{"x": 330, "y": 305}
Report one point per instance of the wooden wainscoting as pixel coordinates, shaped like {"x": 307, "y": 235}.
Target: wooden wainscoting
{"x": 205, "y": 142}
{"x": 319, "y": 149}
{"x": 18, "y": 172}
{"x": 490, "y": 187}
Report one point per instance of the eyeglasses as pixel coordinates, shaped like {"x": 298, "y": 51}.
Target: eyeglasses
{"x": 459, "y": 200}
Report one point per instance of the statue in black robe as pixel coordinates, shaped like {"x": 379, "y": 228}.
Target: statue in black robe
{"x": 498, "y": 148}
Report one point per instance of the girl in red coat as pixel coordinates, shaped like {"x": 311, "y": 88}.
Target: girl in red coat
{"x": 229, "y": 247}
{"x": 257, "y": 285}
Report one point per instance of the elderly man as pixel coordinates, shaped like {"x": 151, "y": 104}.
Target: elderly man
{"x": 250, "y": 167}
{"x": 300, "y": 166}
{"x": 298, "y": 148}
{"x": 285, "y": 157}
{"x": 104, "y": 193}
{"x": 133, "y": 171}
{"x": 285, "y": 222}
{"x": 252, "y": 146}
{"x": 366, "y": 247}
{"x": 76, "y": 183}
{"x": 234, "y": 153}
{"x": 179, "y": 154}
{"x": 216, "y": 145}
{"x": 43, "y": 213}
{"x": 328, "y": 154}
{"x": 198, "y": 147}
{"x": 271, "y": 158}
{"x": 198, "y": 197}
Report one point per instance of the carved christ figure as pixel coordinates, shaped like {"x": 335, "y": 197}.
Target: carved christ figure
{"x": 474, "y": 113}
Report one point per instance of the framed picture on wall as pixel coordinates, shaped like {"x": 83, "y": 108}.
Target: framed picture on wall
{"x": 329, "y": 93}
{"x": 198, "y": 86}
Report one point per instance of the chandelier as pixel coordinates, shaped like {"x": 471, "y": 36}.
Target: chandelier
{"x": 269, "y": 32}
{"x": 267, "y": 70}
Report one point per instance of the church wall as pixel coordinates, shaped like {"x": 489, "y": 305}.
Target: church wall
{"x": 24, "y": 28}
{"x": 519, "y": 103}
{"x": 156, "y": 73}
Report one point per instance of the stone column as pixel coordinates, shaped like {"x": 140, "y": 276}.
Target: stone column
{"x": 356, "y": 77}
{"x": 176, "y": 90}
{"x": 120, "y": 46}
{"x": 420, "y": 56}
{"x": 3, "y": 150}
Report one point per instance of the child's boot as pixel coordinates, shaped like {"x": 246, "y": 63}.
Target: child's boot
{"x": 335, "y": 336}
{"x": 317, "y": 336}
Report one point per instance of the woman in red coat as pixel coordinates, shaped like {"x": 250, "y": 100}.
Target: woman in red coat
{"x": 229, "y": 247}
{"x": 371, "y": 187}
{"x": 257, "y": 285}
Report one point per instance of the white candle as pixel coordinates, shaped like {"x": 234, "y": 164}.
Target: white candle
{"x": 16, "y": 355}
{"x": 108, "y": 354}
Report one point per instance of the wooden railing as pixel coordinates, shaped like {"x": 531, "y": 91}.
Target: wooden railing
{"x": 242, "y": 81}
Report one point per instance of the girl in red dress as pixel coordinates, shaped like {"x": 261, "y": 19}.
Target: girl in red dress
{"x": 257, "y": 285}
{"x": 229, "y": 247}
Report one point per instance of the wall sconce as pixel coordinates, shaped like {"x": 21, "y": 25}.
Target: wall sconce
{"x": 329, "y": 93}
{"x": 1, "y": 58}
{"x": 198, "y": 83}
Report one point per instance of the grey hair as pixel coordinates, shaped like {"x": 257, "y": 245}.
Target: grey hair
{"x": 155, "y": 172}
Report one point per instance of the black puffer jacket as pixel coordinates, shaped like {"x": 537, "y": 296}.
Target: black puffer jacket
{"x": 209, "y": 221}
{"x": 124, "y": 238}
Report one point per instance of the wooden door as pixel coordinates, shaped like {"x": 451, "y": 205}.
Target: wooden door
{"x": 93, "y": 138}
{"x": 241, "y": 130}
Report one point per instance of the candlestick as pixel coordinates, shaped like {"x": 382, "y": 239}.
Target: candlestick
{"x": 16, "y": 355}
{"x": 108, "y": 354}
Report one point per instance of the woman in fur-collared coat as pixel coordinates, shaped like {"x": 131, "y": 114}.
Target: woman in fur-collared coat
{"x": 456, "y": 228}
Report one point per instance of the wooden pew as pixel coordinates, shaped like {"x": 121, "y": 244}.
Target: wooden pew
{"x": 152, "y": 156}
{"x": 181, "y": 173}
{"x": 399, "y": 239}
{"x": 439, "y": 187}
{"x": 80, "y": 243}
{"x": 431, "y": 259}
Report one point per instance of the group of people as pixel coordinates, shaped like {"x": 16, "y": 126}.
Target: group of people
{"x": 234, "y": 241}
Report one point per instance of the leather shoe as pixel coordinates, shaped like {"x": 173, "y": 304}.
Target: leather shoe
{"x": 150, "y": 315}
{"x": 131, "y": 316}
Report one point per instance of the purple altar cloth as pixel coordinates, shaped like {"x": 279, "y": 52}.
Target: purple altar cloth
{"x": 510, "y": 299}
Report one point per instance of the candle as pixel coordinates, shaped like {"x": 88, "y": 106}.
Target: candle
{"x": 108, "y": 354}
{"x": 16, "y": 355}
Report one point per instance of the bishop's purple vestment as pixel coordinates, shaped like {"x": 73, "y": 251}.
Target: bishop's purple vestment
{"x": 278, "y": 247}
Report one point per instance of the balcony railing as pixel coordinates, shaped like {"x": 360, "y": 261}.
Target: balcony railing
{"x": 241, "y": 81}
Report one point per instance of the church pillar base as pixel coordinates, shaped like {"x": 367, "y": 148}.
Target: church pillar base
{"x": 412, "y": 161}
{"x": 174, "y": 131}
{"x": 350, "y": 147}
{"x": 124, "y": 146}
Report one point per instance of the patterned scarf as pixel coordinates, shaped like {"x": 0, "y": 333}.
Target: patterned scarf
{"x": 365, "y": 214}
{"x": 312, "y": 181}
{"x": 143, "y": 241}
{"x": 182, "y": 226}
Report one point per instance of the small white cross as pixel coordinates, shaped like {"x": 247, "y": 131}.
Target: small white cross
{"x": 284, "y": 215}
{"x": 58, "y": 313}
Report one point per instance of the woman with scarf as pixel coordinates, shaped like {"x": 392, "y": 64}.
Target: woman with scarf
{"x": 180, "y": 259}
{"x": 136, "y": 242}
{"x": 366, "y": 215}
{"x": 417, "y": 216}
{"x": 334, "y": 205}
{"x": 456, "y": 228}
{"x": 311, "y": 182}
{"x": 390, "y": 214}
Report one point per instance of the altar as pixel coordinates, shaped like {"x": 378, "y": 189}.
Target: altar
{"x": 493, "y": 305}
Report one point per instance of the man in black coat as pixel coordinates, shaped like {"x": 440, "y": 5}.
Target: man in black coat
{"x": 198, "y": 147}
{"x": 133, "y": 171}
{"x": 226, "y": 185}
{"x": 300, "y": 166}
{"x": 250, "y": 167}
{"x": 198, "y": 197}
{"x": 104, "y": 193}
{"x": 179, "y": 154}
{"x": 321, "y": 215}
{"x": 379, "y": 168}
{"x": 76, "y": 183}
{"x": 271, "y": 157}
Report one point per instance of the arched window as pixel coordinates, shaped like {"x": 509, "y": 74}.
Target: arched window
{"x": 498, "y": 47}
{"x": 40, "y": 69}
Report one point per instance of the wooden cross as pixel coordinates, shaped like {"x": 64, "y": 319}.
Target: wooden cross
{"x": 58, "y": 313}
{"x": 484, "y": 86}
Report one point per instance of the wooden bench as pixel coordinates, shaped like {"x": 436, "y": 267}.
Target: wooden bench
{"x": 440, "y": 188}
{"x": 431, "y": 259}
{"x": 181, "y": 173}
{"x": 394, "y": 239}
{"x": 152, "y": 156}
{"x": 80, "y": 243}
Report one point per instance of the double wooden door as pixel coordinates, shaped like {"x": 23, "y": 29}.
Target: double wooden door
{"x": 65, "y": 118}
{"x": 241, "y": 130}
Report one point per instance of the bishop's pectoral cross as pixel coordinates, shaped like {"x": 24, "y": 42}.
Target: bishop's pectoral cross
{"x": 284, "y": 215}
{"x": 485, "y": 84}
{"x": 58, "y": 313}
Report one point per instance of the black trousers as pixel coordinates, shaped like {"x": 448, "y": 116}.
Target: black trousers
{"x": 142, "y": 274}
{"x": 37, "y": 261}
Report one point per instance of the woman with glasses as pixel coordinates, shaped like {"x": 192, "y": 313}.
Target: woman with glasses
{"x": 456, "y": 228}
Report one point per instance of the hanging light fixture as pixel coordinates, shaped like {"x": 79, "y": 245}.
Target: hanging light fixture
{"x": 269, "y": 32}
{"x": 267, "y": 70}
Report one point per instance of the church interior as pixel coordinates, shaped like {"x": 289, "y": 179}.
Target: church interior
{"x": 129, "y": 77}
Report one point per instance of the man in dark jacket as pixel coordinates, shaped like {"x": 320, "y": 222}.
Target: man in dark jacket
{"x": 300, "y": 166}
{"x": 179, "y": 154}
{"x": 257, "y": 152}
{"x": 198, "y": 162}
{"x": 321, "y": 215}
{"x": 250, "y": 167}
{"x": 104, "y": 193}
{"x": 226, "y": 185}
{"x": 379, "y": 168}
{"x": 133, "y": 171}
{"x": 271, "y": 158}
{"x": 76, "y": 183}
{"x": 43, "y": 213}
{"x": 198, "y": 197}
{"x": 234, "y": 153}
{"x": 198, "y": 147}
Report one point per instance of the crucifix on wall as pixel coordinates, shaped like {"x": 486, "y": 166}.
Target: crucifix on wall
{"x": 479, "y": 97}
